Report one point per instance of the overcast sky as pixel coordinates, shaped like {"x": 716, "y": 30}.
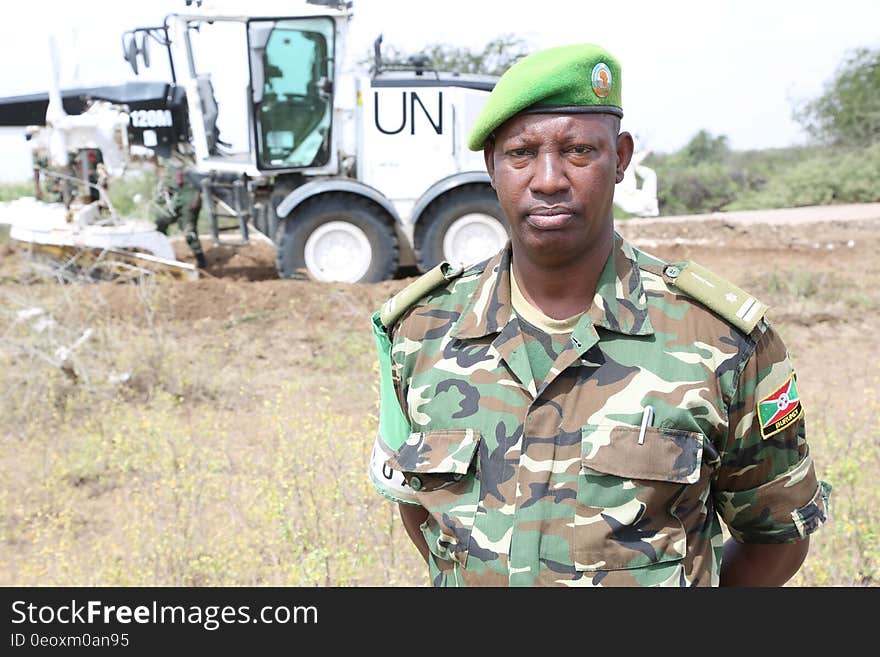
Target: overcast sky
{"x": 733, "y": 67}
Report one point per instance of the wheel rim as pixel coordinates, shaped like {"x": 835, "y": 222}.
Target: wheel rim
{"x": 472, "y": 238}
{"x": 338, "y": 252}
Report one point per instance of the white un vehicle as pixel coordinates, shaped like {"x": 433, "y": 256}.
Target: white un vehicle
{"x": 352, "y": 174}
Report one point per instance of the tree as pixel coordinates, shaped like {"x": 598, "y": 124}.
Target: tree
{"x": 848, "y": 112}
{"x": 700, "y": 177}
{"x": 703, "y": 147}
{"x": 495, "y": 57}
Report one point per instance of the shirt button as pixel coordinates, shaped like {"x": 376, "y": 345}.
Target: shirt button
{"x": 415, "y": 483}
{"x": 672, "y": 271}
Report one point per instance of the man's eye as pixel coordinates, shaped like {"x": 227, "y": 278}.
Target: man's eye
{"x": 519, "y": 152}
{"x": 581, "y": 149}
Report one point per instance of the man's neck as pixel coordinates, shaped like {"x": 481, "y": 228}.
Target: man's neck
{"x": 567, "y": 289}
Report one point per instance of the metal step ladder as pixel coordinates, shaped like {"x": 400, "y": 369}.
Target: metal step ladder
{"x": 227, "y": 197}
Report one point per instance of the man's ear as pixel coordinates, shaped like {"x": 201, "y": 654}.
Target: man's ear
{"x": 625, "y": 147}
{"x": 489, "y": 157}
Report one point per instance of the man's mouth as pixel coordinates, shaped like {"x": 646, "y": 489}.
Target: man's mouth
{"x": 549, "y": 217}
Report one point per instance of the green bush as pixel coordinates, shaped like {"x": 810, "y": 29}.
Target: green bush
{"x": 773, "y": 178}
{"x": 822, "y": 178}
{"x": 697, "y": 188}
{"x": 704, "y": 176}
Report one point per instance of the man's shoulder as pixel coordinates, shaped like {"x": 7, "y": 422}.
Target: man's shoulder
{"x": 694, "y": 282}
{"x": 444, "y": 286}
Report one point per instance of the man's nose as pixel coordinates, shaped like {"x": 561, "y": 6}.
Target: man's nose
{"x": 549, "y": 175}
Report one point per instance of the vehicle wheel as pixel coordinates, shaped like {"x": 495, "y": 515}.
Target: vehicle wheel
{"x": 464, "y": 227}
{"x": 337, "y": 237}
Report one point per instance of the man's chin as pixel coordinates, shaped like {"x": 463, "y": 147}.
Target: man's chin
{"x": 551, "y": 247}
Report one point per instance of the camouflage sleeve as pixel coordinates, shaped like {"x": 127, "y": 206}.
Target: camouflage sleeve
{"x": 394, "y": 425}
{"x": 766, "y": 489}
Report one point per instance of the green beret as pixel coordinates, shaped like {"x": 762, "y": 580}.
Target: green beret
{"x": 580, "y": 78}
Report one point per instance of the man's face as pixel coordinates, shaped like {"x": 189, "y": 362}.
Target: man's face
{"x": 555, "y": 176}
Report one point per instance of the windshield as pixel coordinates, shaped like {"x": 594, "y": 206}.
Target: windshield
{"x": 293, "y": 100}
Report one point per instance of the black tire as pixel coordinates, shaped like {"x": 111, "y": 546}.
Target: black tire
{"x": 444, "y": 212}
{"x": 296, "y": 229}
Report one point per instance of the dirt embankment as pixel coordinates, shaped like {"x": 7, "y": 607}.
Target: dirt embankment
{"x": 834, "y": 242}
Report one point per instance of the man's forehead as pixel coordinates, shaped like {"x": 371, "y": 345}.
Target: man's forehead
{"x": 531, "y": 125}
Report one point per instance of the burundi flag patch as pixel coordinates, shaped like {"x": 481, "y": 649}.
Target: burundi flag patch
{"x": 780, "y": 408}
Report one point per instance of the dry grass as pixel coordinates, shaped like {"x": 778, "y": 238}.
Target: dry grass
{"x": 142, "y": 451}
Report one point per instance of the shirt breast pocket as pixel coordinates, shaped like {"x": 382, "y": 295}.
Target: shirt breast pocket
{"x": 440, "y": 467}
{"x": 627, "y": 496}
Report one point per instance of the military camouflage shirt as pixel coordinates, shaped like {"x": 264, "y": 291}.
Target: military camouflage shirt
{"x": 557, "y": 482}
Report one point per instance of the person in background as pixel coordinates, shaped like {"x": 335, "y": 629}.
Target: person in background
{"x": 178, "y": 200}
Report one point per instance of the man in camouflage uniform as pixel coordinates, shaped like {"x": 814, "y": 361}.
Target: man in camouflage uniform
{"x": 49, "y": 188}
{"x": 178, "y": 200}
{"x": 574, "y": 411}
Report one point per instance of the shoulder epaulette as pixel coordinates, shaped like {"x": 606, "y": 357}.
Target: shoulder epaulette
{"x": 400, "y": 302}
{"x": 649, "y": 262}
{"x": 718, "y": 294}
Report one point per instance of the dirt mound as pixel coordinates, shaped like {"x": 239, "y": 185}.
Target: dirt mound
{"x": 793, "y": 265}
{"x": 772, "y": 254}
{"x": 254, "y": 261}
{"x": 226, "y": 293}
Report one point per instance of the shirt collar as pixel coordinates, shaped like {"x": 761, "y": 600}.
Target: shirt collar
{"x": 619, "y": 305}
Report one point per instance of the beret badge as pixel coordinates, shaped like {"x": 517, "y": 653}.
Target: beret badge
{"x": 601, "y": 79}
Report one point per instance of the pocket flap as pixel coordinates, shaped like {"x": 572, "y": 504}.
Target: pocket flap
{"x": 440, "y": 450}
{"x": 664, "y": 455}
